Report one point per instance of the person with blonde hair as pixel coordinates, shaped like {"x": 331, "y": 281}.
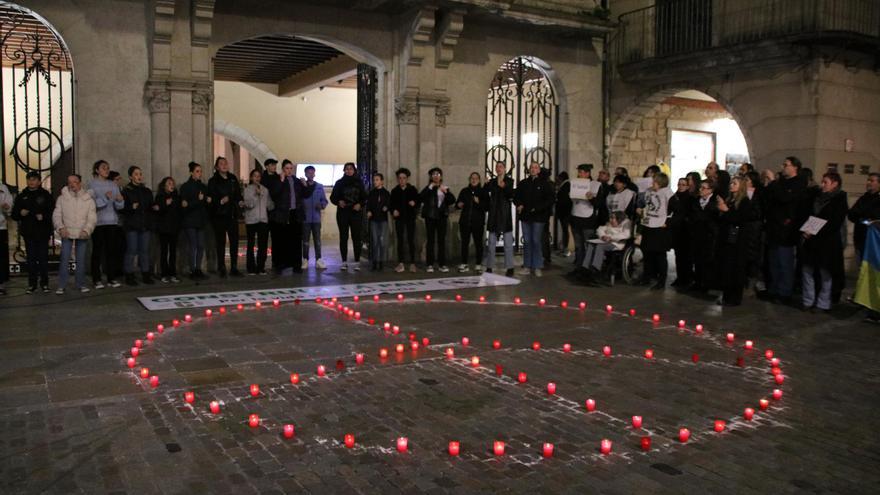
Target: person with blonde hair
{"x": 734, "y": 214}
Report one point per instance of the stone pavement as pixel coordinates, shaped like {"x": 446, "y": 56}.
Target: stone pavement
{"x": 75, "y": 419}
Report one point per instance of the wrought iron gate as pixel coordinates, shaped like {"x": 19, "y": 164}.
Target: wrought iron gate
{"x": 522, "y": 121}
{"x": 366, "y": 122}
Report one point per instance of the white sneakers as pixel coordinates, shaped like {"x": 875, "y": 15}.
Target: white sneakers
{"x": 115, "y": 284}
{"x": 320, "y": 264}
{"x": 430, "y": 269}
{"x": 84, "y": 289}
{"x": 99, "y": 286}
{"x": 59, "y": 291}
{"x": 413, "y": 268}
{"x": 400, "y": 268}
{"x": 344, "y": 266}
{"x": 525, "y": 271}
{"x": 538, "y": 272}
{"x": 444, "y": 269}
{"x": 463, "y": 268}
{"x": 478, "y": 268}
{"x": 305, "y": 264}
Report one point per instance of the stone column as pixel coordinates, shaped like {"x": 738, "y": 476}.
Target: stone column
{"x": 158, "y": 100}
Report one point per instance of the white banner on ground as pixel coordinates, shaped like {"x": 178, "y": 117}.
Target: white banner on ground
{"x": 348, "y": 290}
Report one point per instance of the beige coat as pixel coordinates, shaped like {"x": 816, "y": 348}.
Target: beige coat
{"x": 76, "y": 213}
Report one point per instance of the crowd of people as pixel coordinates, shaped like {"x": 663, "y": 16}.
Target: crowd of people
{"x": 727, "y": 232}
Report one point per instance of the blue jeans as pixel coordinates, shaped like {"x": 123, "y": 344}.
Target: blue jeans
{"x": 808, "y": 287}
{"x": 782, "y": 262}
{"x": 490, "y": 250}
{"x": 196, "y": 240}
{"x": 137, "y": 243}
{"x": 533, "y": 254}
{"x": 82, "y": 245}
{"x": 313, "y": 228}
{"x": 378, "y": 237}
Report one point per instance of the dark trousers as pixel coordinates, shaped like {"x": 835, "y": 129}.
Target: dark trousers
{"x": 436, "y": 233}
{"x": 732, "y": 272}
{"x": 275, "y": 230}
{"x": 353, "y": 221}
{"x": 292, "y": 235}
{"x": 545, "y": 243}
{"x": 656, "y": 266}
{"x": 563, "y": 227}
{"x": 258, "y": 232}
{"x": 168, "y": 254}
{"x": 107, "y": 249}
{"x": 37, "y": 260}
{"x": 224, "y": 227}
{"x": 4, "y": 256}
{"x": 467, "y": 232}
{"x": 684, "y": 260}
{"x": 405, "y": 229}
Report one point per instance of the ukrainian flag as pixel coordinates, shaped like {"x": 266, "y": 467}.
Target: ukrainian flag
{"x": 868, "y": 286}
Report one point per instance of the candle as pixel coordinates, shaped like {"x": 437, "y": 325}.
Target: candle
{"x": 296, "y": 301}
{"x": 400, "y": 297}
{"x": 748, "y": 414}
{"x": 294, "y": 378}
{"x": 496, "y": 344}
{"x": 498, "y": 447}
{"x": 258, "y": 304}
{"x": 563, "y": 304}
{"x": 145, "y": 372}
{"x": 655, "y": 318}
{"x": 222, "y": 310}
{"x": 187, "y": 318}
{"x": 605, "y": 446}
{"x": 516, "y": 300}
{"x": 322, "y": 370}
{"x": 699, "y": 328}
{"x": 383, "y": 353}
{"x": 646, "y": 443}
{"x": 160, "y": 328}
{"x": 334, "y": 300}
{"x": 386, "y": 326}
{"x": 135, "y": 352}
{"x": 683, "y": 435}
{"x": 649, "y": 354}
{"x": 590, "y": 404}
{"x": 412, "y": 336}
{"x": 454, "y": 448}
{"x": 606, "y": 350}
{"x": 151, "y": 336}
{"x": 371, "y": 320}
{"x": 522, "y": 377}
{"x": 548, "y": 450}
{"x": 356, "y": 298}
{"x": 276, "y": 302}
{"x": 175, "y": 323}
{"x": 777, "y": 394}
{"x": 499, "y": 370}
{"x": 749, "y": 345}
{"x": 764, "y": 404}
{"x": 131, "y": 362}
{"x": 414, "y": 345}
{"x": 255, "y": 390}
{"x": 138, "y": 343}
{"x": 399, "y": 348}
{"x": 740, "y": 362}
{"x": 254, "y": 420}
{"x": 357, "y": 315}
{"x": 240, "y": 307}
{"x": 402, "y": 444}
{"x": 637, "y": 422}
{"x": 775, "y": 371}
{"x": 376, "y": 298}
{"x": 681, "y": 323}
{"x": 349, "y": 440}
{"x": 458, "y": 299}
{"x": 449, "y": 352}
{"x": 359, "y": 358}
{"x": 779, "y": 379}
{"x": 288, "y": 431}
{"x": 154, "y": 381}
{"x": 730, "y": 337}
{"x": 428, "y": 298}
{"x": 319, "y": 300}
{"x": 542, "y": 302}
{"x": 189, "y": 397}
{"x": 536, "y": 345}
{"x": 482, "y": 299}
{"x": 582, "y": 305}
{"x": 566, "y": 347}
{"x": 214, "y": 406}
{"x": 551, "y": 388}
{"x": 632, "y": 312}
{"x": 465, "y": 341}
{"x": 719, "y": 425}
{"x": 695, "y": 357}
{"x": 425, "y": 341}
{"x": 395, "y": 330}
{"x": 775, "y": 362}
{"x": 768, "y": 354}
{"x": 609, "y": 308}
{"x": 475, "y": 361}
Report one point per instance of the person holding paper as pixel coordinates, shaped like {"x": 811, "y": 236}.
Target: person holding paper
{"x": 823, "y": 250}
{"x": 584, "y": 217}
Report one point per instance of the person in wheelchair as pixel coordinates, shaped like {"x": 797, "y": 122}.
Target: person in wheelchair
{"x": 609, "y": 237}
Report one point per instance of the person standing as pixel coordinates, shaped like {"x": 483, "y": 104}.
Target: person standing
{"x": 168, "y": 212}
{"x": 473, "y": 202}
{"x": 680, "y": 206}
{"x": 655, "y": 231}
{"x": 703, "y": 233}
{"x": 314, "y": 209}
{"x": 349, "y": 196}
{"x": 784, "y": 196}
{"x": 194, "y": 201}
{"x": 257, "y": 204}
{"x": 227, "y": 202}
{"x": 271, "y": 180}
{"x": 584, "y": 218}
{"x": 404, "y": 209}
{"x": 106, "y": 239}
{"x": 500, "y": 219}
{"x": 563, "y": 210}
{"x": 5, "y": 210}
{"x": 734, "y": 215}
{"x": 33, "y": 209}
{"x": 823, "y": 251}
{"x": 534, "y": 202}
{"x": 378, "y": 205}
{"x": 137, "y": 221}
{"x": 865, "y": 211}
{"x": 74, "y": 220}
{"x": 436, "y": 198}
{"x": 290, "y": 213}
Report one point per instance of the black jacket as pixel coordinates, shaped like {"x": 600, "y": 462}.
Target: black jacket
{"x": 783, "y": 199}
{"x": 168, "y": 216}
{"x": 400, "y": 199}
{"x": 349, "y": 189}
{"x": 229, "y": 188}
{"x": 430, "y": 209}
{"x": 281, "y": 213}
{"x": 825, "y": 249}
{"x": 703, "y": 227}
{"x": 379, "y": 204}
{"x": 536, "y": 196}
{"x": 866, "y": 207}
{"x": 195, "y": 213}
{"x": 500, "y": 218}
{"x": 140, "y": 218}
{"x": 473, "y": 213}
{"x": 37, "y": 201}
{"x": 563, "y": 200}
{"x": 272, "y": 183}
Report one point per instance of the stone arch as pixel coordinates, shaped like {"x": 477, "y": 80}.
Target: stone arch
{"x": 257, "y": 148}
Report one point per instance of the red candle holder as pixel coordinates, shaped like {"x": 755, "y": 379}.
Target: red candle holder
{"x": 748, "y": 413}
{"x": 517, "y": 300}
{"x": 655, "y": 318}
{"x": 699, "y": 328}
{"x": 475, "y": 361}
{"x": 457, "y": 299}
{"x": 645, "y": 443}
{"x": 482, "y": 299}
{"x": 294, "y": 378}
{"x": 399, "y": 348}
{"x": 779, "y": 379}
{"x": 450, "y": 352}
{"x": 138, "y": 343}
{"x": 582, "y": 305}
{"x": 536, "y": 345}
{"x": 547, "y": 450}
{"x": 160, "y": 328}
{"x": 189, "y": 397}
{"x": 606, "y": 350}
{"x": 371, "y": 321}
{"x": 151, "y": 336}
{"x": 222, "y": 310}
{"x": 334, "y": 300}
{"x": 498, "y": 447}
{"x": 496, "y": 344}
{"x": 522, "y": 377}
{"x": 187, "y": 318}
{"x": 321, "y": 370}
{"x": 349, "y": 441}
{"x": 719, "y": 425}
{"x": 465, "y": 341}
{"x": 395, "y": 330}
{"x": 428, "y": 298}
{"x": 258, "y": 304}
{"x": 768, "y": 354}
{"x": 730, "y": 337}
{"x": 214, "y": 407}
{"x": 590, "y": 404}
{"x": 383, "y": 353}
{"x": 400, "y": 297}
{"x": 412, "y": 336}
{"x": 775, "y": 362}
{"x": 695, "y": 357}
{"x": 145, "y": 373}
{"x": 681, "y": 323}
{"x": 542, "y": 302}
{"x": 454, "y": 448}
{"x": 386, "y": 326}
{"x": 357, "y": 315}
{"x": 775, "y": 371}
{"x": 135, "y": 352}
{"x": 637, "y": 422}
{"x": 605, "y": 446}
{"x": 566, "y": 347}
{"x": 356, "y": 298}
{"x": 609, "y": 308}
{"x": 499, "y": 370}
{"x": 649, "y": 354}
{"x": 563, "y": 304}
{"x": 254, "y": 420}
{"x": 276, "y": 302}
{"x": 239, "y": 307}
{"x": 359, "y": 358}
{"x": 777, "y": 394}
{"x": 289, "y": 431}
{"x": 154, "y": 381}
{"x": 376, "y": 298}
{"x": 551, "y": 388}
{"x": 764, "y": 404}
{"x": 426, "y": 341}
{"x": 632, "y": 312}
{"x": 414, "y": 345}
{"x": 749, "y": 345}
{"x": 175, "y": 323}
{"x": 684, "y": 435}
{"x": 131, "y": 362}
{"x": 255, "y": 390}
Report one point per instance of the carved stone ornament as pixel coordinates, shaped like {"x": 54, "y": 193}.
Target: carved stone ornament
{"x": 201, "y": 101}
{"x": 440, "y": 113}
{"x": 407, "y": 111}
{"x": 158, "y": 100}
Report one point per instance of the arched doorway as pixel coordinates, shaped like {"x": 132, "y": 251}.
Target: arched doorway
{"x": 36, "y": 99}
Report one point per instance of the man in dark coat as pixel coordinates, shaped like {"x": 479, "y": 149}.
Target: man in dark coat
{"x": 271, "y": 180}
{"x": 499, "y": 222}
{"x": 226, "y": 205}
{"x": 864, "y": 211}
{"x": 33, "y": 209}
{"x": 784, "y": 196}
{"x": 534, "y": 199}
{"x": 289, "y": 214}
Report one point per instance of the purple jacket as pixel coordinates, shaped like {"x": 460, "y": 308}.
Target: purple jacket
{"x": 313, "y": 215}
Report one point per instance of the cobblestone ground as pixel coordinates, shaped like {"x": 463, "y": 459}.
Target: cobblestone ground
{"x": 75, "y": 419}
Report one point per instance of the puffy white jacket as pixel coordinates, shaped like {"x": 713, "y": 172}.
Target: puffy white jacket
{"x": 257, "y": 206}
{"x": 5, "y": 199}
{"x": 76, "y": 213}
{"x": 618, "y": 235}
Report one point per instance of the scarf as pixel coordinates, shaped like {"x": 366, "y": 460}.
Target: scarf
{"x": 822, "y": 200}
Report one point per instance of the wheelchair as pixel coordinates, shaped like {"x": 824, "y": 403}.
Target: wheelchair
{"x": 627, "y": 263}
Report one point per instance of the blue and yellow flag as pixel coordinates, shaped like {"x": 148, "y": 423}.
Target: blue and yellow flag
{"x": 868, "y": 286}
